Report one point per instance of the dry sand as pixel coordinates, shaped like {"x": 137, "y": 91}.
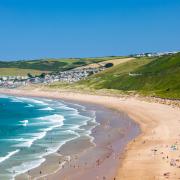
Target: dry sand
{"x": 155, "y": 154}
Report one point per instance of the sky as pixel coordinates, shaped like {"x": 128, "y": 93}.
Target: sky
{"x": 33, "y": 29}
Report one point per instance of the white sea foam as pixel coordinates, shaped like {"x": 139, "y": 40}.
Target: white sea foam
{"x": 78, "y": 105}
{"x": 31, "y": 100}
{"x": 60, "y": 105}
{"x": 16, "y": 100}
{"x": 24, "y": 122}
{"x": 47, "y": 109}
{"x": 54, "y": 120}
{"x": 71, "y": 132}
{"x": 48, "y": 100}
{"x": 65, "y": 107}
{"x": 30, "y": 105}
{"x": 72, "y": 111}
{"x": 14, "y": 139}
{"x": 26, "y": 166}
{"x": 28, "y": 142}
{"x": 8, "y": 155}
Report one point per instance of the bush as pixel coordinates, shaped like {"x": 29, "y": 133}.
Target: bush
{"x": 108, "y": 65}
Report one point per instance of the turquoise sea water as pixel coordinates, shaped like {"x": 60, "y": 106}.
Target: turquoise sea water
{"x": 31, "y": 128}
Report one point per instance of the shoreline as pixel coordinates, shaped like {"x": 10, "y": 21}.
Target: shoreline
{"x": 105, "y": 143}
{"x": 150, "y": 155}
{"x": 109, "y": 142}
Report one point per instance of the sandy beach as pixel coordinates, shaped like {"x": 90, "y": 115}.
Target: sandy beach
{"x": 78, "y": 158}
{"x": 154, "y": 154}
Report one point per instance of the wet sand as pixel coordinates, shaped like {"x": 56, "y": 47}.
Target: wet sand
{"x": 78, "y": 158}
{"x": 154, "y": 154}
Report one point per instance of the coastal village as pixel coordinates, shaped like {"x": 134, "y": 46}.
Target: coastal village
{"x": 155, "y": 54}
{"x": 69, "y": 76}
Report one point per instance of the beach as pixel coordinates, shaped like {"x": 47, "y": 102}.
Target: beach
{"x": 154, "y": 154}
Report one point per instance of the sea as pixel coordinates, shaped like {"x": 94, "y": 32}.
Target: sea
{"x": 32, "y": 128}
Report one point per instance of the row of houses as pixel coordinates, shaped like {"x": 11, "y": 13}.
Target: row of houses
{"x": 156, "y": 54}
{"x": 70, "y": 76}
{"x": 9, "y": 78}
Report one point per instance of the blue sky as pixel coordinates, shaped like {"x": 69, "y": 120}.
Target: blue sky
{"x": 87, "y": 28}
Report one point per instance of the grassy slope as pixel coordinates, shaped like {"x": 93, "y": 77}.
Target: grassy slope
{"x": 52, "y": 64}
{"x": 18, "y": 72}
{"x": 160, "y": 77}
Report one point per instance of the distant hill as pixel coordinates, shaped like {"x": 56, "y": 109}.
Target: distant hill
{"x": 149, "y": 76}
{"x": 46, "y": 65}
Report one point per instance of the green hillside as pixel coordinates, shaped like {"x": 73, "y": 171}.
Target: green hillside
{"x": 19, "y": 72}
{"x": 152, "y": 76}
{"x": 52, "y": 64}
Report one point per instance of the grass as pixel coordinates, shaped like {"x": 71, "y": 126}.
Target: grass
{"x": 18, "y": 72}
{"x": 53, "y": 64}
{"x": 160, "y": 77}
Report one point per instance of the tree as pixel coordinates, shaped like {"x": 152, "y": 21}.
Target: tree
{"x": 42, "y": 75}
{"x": 29, "y": 75}
{"x": 108, "y": 65}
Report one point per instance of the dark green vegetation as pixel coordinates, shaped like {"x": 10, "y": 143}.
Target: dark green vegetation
{"x": 108, "y": 65}
{"x": 149, "y": 76}
{"x": 53, "y": 64}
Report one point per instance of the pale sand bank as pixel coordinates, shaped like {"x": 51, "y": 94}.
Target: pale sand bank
{"x": 155, "y": 154}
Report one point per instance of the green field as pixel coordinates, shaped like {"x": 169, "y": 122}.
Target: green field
{"x": 156, "y": 76}
{"x": 51, "y": 64}
{"x": 19, "y": 72}
{"x": 159, "y": 77}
